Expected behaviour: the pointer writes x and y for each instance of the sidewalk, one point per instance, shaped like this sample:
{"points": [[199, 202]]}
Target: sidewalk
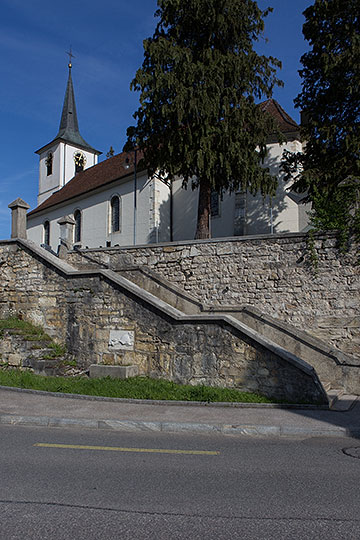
{"points": [[27, 407]]}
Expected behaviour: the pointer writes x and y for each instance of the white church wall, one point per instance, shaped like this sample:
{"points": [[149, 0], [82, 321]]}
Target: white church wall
{"points": [[223, 224], [262, 215], [51, 183], [160, 212], [185, 203], [279, 213], [69, 164], [95, 211]]}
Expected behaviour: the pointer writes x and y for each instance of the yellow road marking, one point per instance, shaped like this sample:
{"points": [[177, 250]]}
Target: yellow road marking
{"points": [[119, 449]]}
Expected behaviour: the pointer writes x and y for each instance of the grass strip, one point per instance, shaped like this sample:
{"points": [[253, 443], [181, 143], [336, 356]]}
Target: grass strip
{"points": [[134, 388]]}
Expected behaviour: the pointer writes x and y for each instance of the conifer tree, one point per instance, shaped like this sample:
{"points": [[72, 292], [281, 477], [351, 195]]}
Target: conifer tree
{"points": [[199, 80], [329, 168]]}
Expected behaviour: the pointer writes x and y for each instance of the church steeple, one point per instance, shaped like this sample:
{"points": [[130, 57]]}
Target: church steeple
{"points": [[68, 153], [69, 126]]}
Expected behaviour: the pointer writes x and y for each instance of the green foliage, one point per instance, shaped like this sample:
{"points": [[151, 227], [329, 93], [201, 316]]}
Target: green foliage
{"points": [[70, 363], [135, 388], [198, 82], [56, 351], [25, 328], [329, 169], [30, 332], [314, 259]]}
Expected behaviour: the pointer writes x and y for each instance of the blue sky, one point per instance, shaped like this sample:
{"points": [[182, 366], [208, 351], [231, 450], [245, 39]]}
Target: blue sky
{"points": [[106, 39]]}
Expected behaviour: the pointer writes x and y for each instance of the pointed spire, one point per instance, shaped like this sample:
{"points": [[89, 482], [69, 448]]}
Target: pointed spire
{"points": [[69, 121], [69, 126]]}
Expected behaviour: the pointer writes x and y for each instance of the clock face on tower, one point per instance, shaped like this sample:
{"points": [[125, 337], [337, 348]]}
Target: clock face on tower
{"points": [[80, 161]]}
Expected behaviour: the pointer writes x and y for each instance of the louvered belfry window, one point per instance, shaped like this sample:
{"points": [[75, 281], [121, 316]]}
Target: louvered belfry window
{"points": [[49, 164]]}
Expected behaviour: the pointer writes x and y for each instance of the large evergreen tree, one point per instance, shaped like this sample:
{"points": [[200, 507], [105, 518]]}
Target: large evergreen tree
{"points": [[198, 82], [329, 168]]}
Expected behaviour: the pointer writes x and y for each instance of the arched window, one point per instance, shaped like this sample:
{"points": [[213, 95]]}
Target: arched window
{"points": [[49, 164], [47, 233], [115, 214], [77, 218]]}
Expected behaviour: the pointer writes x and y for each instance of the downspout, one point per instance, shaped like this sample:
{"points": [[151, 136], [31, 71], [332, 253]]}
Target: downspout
{"points": [[135, 195], [171, 211]]}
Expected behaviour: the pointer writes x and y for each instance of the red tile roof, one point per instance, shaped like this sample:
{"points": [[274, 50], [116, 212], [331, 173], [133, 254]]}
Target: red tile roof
{"points": [[113, 168], [286, 123], [92, 178]]}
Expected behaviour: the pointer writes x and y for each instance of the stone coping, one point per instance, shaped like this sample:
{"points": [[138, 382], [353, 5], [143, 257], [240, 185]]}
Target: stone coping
{"points": [[339, 357], [301, 236]]}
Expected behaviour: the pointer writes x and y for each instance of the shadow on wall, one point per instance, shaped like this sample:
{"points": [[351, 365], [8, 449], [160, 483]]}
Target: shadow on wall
{"points": [[264, 213], [256, 215], [160, 232], [185, 201]]}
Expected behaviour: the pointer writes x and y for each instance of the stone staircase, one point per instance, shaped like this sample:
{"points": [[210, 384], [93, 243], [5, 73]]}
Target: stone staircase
{"points": [[340, 382]]}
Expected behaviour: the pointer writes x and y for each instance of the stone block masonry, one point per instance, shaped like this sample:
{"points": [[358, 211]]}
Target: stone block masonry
{"points": [[103, 318], [273, 274]]}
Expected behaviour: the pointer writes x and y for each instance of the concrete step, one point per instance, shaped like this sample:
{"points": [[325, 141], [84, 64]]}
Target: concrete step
{"points": [[344, 403], [334, 395]]}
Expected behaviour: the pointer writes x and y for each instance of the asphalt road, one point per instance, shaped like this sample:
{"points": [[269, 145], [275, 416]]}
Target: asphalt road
{"points": [[70, 484]]}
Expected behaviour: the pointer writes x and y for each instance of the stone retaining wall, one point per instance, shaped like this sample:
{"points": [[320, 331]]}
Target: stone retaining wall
{"points": [[100, 321], [271, 273]]}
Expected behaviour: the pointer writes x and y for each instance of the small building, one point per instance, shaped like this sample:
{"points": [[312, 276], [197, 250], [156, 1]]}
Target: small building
{"points": [[115, 202]]}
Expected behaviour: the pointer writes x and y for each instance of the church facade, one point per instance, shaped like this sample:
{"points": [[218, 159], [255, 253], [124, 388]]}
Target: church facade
{"points": [[115, 202]]}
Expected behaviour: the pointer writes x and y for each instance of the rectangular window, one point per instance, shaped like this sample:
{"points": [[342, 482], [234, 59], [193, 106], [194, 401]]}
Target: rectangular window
{"points": [[240, 213], [214, 204]]}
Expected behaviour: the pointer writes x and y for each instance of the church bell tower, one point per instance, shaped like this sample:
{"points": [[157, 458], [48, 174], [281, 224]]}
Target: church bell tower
{"points": [[68, 153]]}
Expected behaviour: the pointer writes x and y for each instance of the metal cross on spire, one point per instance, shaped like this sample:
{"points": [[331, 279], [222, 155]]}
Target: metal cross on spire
{"points": [[70, 57]]}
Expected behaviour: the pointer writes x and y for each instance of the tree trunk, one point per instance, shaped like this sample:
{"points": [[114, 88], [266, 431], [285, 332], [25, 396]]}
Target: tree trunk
{"points": [[203, 220]]}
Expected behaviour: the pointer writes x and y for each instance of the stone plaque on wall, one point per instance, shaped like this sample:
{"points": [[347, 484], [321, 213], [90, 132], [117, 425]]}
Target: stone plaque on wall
{"points": [[121, 340]]}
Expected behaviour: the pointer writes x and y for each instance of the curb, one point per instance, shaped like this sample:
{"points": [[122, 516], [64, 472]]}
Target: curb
{"points": [[179, 427]]}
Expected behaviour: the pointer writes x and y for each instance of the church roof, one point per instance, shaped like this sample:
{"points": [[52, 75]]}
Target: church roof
{"points": [[285, 122], [90, 179], [113, 169], [69, 126]]}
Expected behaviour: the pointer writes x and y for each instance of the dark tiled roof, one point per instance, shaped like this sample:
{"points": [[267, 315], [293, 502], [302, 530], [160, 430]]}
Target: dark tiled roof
{"points": [[285, 122], [92, 178], [113, 169]]}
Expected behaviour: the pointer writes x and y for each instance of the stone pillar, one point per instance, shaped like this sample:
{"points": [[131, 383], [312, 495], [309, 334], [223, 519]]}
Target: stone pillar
{"points": [[18, 218], [67, 225]]}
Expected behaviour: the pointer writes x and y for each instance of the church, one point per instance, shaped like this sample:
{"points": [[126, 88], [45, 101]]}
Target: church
{"points": [[115, 203]]}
